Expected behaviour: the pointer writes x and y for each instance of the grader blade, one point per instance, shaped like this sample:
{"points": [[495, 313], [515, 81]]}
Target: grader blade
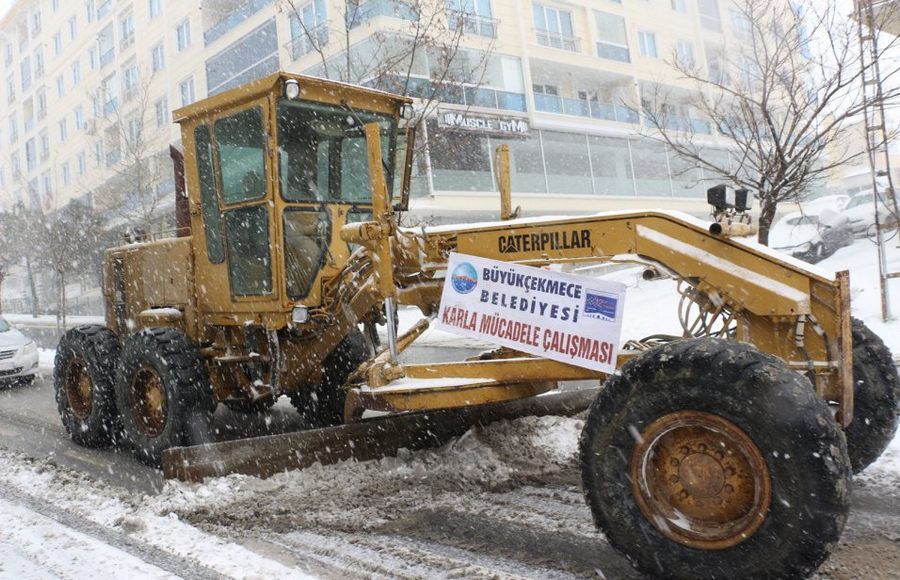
{"points": [[364, 440]]}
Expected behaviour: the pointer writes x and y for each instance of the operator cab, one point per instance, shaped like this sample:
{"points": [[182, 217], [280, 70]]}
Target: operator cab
{"points": [[283, 158]]}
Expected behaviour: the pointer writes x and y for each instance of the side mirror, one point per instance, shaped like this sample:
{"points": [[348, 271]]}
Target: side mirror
{"points": [[403, 158]]}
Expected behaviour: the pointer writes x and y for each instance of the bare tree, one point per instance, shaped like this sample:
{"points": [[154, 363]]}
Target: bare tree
{"points": [[425, 59], [783, 96], [130, 194]]}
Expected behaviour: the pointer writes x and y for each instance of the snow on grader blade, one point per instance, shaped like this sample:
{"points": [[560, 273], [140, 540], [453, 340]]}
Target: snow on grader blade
{"points": [[727, 450]]}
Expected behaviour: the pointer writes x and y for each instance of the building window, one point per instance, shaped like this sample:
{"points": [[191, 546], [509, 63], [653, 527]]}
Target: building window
{"points": [[158, 58], [155, 8], [98, 153], [25, 69], [554, 28], [45, 147], [473, 16], [130, 80], [162, 112], [679, 5], [126, 25], [54, 5], [13, 128], [76, 72], [684, 53], [38, 63], [647, 43], [31, 159], [64, 173], [89, 10], [73, 27], [740, 24], [63, 130], [613, 40], [709, 15], [57, 44], [92, 57], [41, 104], [110, 91], [81, 163], [133, 129], [104, 8], [186, 90], [183, 35], [10, 89], [106, 45], [79, 118], [309, 30], [60, 87]]}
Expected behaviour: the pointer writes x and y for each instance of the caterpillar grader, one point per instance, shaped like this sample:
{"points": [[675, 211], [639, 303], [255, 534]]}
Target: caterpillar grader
{"points": [[725, 452]]}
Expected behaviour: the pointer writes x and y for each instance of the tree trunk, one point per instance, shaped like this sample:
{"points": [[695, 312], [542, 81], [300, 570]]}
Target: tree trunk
{"points": [[35, 306], [1, 294], [62, 299], [766, 216]]}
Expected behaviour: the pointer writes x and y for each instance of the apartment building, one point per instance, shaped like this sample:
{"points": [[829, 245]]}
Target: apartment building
{"points": [[89, 85]]}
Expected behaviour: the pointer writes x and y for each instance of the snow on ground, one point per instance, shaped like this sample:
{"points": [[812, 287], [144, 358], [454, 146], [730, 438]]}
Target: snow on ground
{"points": [[192, 521]]}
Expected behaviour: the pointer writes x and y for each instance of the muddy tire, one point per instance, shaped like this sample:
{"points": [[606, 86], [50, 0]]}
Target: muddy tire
{"points": [[323, 406], [876, 398], [163, 391], [83, 379], [706, 458]]}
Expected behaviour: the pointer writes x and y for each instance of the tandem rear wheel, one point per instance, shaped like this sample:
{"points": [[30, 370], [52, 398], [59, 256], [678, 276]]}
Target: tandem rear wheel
{"points": [[706, 458]]}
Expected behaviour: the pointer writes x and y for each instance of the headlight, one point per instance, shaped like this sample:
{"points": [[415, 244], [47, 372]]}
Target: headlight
{"points": [[29, 348], [300, 314]]}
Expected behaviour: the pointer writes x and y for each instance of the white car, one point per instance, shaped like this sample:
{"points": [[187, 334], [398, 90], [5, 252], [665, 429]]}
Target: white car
{"points": [[811, 237], [18, 355]]}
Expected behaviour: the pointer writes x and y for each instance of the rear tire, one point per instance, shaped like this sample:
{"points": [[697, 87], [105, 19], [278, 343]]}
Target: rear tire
{"points": [[876, 398], [164, 393], [706, 458], [83, 379], [323, 405]]}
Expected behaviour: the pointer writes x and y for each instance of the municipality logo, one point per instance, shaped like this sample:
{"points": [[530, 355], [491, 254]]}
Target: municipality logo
{"points": [[600, 305], [464, 278]]}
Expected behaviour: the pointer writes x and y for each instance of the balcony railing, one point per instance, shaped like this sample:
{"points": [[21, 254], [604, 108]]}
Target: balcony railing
{"points": [[454, 93], [472, 23], [613, 52], [684, 123], [237, 16], [308, 41], [558, 40], [583, 108], [373, 8]]}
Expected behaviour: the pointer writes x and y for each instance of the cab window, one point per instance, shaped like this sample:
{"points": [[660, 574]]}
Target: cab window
{"points": [[212, 224], [240, 145]]}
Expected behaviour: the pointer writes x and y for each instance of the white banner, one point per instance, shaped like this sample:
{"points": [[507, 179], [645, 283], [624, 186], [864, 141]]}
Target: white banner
{"points": [[564, 317]]}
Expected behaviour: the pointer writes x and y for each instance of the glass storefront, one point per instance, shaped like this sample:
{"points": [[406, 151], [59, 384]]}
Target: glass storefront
{"points": [[567, 163]]}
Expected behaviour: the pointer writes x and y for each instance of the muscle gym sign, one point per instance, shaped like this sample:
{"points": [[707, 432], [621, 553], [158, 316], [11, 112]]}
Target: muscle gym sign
{"points": [[571, 319], [457, 120]]}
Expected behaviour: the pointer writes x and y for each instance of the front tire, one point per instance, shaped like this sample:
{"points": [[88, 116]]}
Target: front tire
{"points": [[876, 398], [163, 391], [83, 379], [706, 458]]}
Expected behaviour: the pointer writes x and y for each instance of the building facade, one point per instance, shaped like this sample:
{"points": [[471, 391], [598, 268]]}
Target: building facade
{"points": [[89, 86]]}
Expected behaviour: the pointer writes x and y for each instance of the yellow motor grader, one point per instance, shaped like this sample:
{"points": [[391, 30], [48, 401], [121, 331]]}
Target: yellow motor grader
{"points": [[727, 451]]}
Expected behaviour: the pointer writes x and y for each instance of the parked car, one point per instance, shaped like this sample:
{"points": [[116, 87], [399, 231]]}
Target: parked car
{"points": [[811, 236], [18, 355], [835, 202], [861, 212]]}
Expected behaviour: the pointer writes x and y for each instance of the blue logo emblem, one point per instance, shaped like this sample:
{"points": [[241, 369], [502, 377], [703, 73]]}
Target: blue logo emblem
{"points": [[600, 305], [464, 278]]}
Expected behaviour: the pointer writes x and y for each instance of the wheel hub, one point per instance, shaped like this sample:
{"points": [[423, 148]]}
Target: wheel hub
{"points": [[149, 404], [700, 480], [78, 389]]}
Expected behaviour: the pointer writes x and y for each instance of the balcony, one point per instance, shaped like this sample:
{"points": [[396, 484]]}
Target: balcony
{"points": [[583, 108], [613, 52], [308, 41], [374, 8], [472, 23], [455, 94], [233, 19], [558, 40], [684, 123]]}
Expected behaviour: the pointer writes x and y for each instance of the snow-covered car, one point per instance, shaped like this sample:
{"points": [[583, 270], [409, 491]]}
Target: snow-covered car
{"points": [[810, 236], [18, 355], [835, 202], [861, 212]]}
